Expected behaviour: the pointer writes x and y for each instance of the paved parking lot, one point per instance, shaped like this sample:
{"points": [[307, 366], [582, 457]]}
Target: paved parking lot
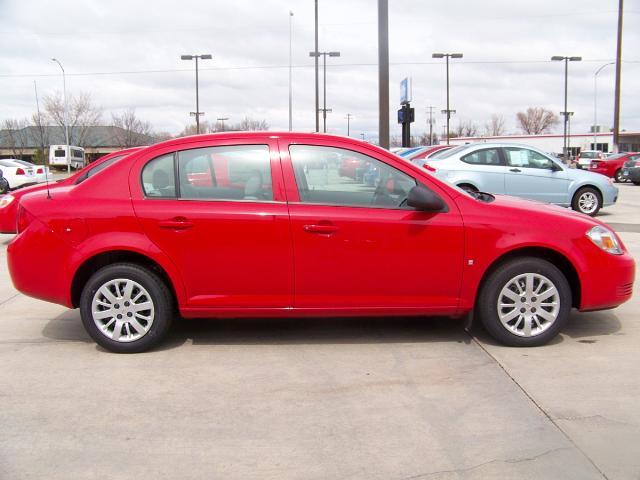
{"points": [[391, 398]]}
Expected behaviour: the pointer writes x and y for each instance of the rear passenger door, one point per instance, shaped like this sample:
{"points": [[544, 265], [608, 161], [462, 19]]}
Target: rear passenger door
{"points": [[219, 212], [483, 168]]}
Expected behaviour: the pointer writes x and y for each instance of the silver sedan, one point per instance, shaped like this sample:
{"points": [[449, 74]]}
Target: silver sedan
{"points": [[522, 171]]}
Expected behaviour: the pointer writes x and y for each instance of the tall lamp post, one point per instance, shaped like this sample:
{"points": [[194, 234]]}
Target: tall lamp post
{"points": [[324, 73], [595, 103], [222, 120], [349, 117], [197, 113], [290, 71], [568, 115], [448, 111], [559, 58], [66, 123]]}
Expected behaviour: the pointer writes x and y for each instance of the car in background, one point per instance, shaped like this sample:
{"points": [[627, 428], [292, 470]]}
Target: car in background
{"points": [[10, 201], [4, 185], [146, 242], [612, 166], [631, 169], [423, 152], [17, 174], [586, 156], [42, 171], [522, 171], [58, 157]]}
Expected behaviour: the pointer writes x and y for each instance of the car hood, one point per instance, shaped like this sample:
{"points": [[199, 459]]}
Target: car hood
{"points": [[577, 174]]}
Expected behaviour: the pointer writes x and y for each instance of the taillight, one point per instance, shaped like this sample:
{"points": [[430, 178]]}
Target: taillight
{"points": [[40, 170], [19, 171], [23, 219], [594, 164], [428, 167]]}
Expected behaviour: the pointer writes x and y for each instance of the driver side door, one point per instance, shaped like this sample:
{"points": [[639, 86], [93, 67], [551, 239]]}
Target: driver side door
{"points": [[357, 247]]}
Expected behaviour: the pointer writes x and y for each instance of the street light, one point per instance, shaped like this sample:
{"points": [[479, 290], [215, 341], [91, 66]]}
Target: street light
{"points": [[348, 117], [197, 113], [448, 111], [595, 102], [66, 123], [222, 120], [558, 58], [324, 67], [290, 71], [568, 115]]}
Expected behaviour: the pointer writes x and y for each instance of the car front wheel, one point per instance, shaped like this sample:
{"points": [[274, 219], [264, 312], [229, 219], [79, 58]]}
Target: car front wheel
{"points": [[587, 200], [618, 177], [525, 303], [126, 308]]}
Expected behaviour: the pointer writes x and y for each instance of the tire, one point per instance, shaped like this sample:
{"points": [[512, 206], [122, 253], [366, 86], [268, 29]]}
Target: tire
{"points": [[618, 176], [122, 286], [468, 188], [493, 303], [587, 200], [636, 182]]}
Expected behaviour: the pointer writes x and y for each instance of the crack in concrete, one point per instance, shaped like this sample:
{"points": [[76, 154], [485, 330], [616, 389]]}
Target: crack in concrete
{"points": [[473, 467], [591, 418]]}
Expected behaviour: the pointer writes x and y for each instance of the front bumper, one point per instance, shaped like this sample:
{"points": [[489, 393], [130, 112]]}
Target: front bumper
{"points": [[608, 282]]}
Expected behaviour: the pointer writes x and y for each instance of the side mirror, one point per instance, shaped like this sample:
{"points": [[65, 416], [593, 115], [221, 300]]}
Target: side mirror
{"points": [[421, 198]]}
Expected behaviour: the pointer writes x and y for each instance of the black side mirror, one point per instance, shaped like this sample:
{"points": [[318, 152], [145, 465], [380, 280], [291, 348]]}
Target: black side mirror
{"points": [[421, 198]]}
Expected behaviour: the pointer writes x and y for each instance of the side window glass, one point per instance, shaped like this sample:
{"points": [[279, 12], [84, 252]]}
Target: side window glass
{"points": [[523, 157], [236, 172], [335, 176], [158, 177], [487, 156]]}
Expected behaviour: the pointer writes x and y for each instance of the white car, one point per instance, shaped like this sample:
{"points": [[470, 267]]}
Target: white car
{"points": [[41, 176], [17, 174]]}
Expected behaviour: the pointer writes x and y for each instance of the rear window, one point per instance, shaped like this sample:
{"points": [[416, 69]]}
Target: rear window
{"points": [[98, 168], [449, 152], [589, 155], [58, 153]]}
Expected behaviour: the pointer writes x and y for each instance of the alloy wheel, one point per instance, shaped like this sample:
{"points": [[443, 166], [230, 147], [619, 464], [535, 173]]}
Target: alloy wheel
{"points": [[588, 202]]}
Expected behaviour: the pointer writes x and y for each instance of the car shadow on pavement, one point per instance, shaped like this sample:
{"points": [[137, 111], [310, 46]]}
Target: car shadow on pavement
{"points": [[274, 331]]}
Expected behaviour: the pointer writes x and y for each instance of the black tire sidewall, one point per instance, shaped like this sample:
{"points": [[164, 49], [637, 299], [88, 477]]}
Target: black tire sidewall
{"points": [[575, 203], [488, 298], [160, 295], [618, 176]]}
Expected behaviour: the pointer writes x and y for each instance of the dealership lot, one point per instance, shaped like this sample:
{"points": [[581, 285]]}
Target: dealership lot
{"points": [[392, 398]]}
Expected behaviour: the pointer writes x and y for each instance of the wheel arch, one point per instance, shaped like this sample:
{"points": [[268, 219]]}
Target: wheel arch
{"points": [[587, 185], [102, 259], [553, 256]]}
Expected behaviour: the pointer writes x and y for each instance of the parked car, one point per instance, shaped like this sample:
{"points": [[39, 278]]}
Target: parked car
{"points": [[9, 202], [423, 152], [4, 185], [140, 243], [586, 156], [631, 169], [17, 174], [40, 175], [612, 166], [523, 171]]}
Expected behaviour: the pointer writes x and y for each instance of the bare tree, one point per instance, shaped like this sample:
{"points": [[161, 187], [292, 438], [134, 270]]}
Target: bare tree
{"points": [[251, 124], [16, 135], [205, 127], [466, 128], [536, 120], [495, 126], [161, 136], [130, 131], [82, 115]]}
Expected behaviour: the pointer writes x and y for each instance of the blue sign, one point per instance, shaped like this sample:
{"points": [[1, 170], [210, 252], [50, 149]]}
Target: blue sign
{"points": [[405, 90]]}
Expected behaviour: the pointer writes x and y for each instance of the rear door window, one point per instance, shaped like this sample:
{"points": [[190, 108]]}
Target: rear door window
{"points": [[486, 156]]}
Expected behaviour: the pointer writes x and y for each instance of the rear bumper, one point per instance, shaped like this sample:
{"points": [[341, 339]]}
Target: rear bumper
{"points": [[33, 273]]}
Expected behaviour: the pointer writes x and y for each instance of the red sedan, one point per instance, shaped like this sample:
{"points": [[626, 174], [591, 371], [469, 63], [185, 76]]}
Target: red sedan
{"points": [[286, 235], [612, 166], [9, 203]]}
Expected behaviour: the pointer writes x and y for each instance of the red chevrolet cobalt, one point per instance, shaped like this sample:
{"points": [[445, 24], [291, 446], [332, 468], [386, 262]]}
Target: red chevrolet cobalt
{"points": [[265, 224]]}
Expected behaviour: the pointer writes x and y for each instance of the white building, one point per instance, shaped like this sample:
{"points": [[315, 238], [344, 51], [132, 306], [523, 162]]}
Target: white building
{"points": [[552, 143]]}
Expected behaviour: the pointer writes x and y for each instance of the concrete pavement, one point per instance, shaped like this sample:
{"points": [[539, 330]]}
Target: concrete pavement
{"points": [[391, 398]]}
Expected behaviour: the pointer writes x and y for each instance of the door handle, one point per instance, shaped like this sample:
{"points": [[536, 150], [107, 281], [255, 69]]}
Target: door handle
{"points": [[177, 223], [326, 229], [515, 170]]}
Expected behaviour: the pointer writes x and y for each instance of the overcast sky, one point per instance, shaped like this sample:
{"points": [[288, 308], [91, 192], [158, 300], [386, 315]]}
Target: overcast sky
{"points": [[127, 54]]}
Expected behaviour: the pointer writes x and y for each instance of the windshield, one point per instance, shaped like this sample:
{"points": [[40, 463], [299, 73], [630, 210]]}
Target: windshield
{"points": [[616, 156]]}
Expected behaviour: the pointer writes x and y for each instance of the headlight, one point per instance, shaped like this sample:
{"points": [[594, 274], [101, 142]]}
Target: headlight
{"points": [[5, 200], [605, 239]]}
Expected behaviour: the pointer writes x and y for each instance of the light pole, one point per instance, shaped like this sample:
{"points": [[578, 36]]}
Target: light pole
{"points": [[197, 113], [324, 55], [315, 49], [595, 103], [290, 71], [66, 123], [568, 115], [348, 117], [559, 58], [448, 111], [362, 135], [221, 120], [430, 124]]}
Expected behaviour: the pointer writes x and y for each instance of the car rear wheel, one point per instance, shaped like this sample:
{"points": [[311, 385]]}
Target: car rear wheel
{"points": [[525, 303], [618, 177], [587, 200], [126, 308]]}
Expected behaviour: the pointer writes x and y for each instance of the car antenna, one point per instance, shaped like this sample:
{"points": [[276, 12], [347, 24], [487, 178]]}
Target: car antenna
{"points": [[44, 157]]}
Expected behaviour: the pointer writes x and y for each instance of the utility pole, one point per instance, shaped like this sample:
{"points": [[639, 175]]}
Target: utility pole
{"points": [[222, 120], [616, 106], [290, 71], [348, 117], [448, 111], [430, 124], [383, 73], [317, 79], [197, 113]]}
